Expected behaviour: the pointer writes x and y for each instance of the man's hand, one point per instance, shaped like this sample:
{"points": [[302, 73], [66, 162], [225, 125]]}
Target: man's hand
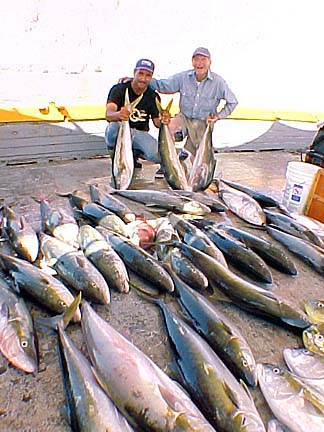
{"points": [[212, 118], [165, 117], [124, 114]]}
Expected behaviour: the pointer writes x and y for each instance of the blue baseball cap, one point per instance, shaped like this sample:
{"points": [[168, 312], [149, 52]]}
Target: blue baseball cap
{"points": [[201, 51], [145, 64]]}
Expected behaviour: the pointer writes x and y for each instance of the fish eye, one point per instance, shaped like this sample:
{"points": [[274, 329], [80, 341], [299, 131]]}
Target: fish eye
{"points": [[276, 370], [62, 304], [24, 343], [245, 363], [320, 305]]}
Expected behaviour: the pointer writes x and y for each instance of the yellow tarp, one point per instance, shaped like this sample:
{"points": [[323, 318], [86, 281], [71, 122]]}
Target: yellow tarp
{"points": [[53, 113]]}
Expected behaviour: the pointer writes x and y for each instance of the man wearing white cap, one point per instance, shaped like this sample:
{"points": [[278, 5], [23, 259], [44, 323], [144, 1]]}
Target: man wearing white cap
{"points": [[201, 91]]}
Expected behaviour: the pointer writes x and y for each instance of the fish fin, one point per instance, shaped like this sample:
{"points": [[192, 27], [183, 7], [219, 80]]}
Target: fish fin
{"points": [[80, 261], [247, 391], [316, 400], [231, 395], [4, 315], [218, 295], [63, 319], [169, 397]]}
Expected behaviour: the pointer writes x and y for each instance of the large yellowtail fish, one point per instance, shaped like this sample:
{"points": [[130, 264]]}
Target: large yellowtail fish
{"points": [[241, 204], [174, 172], [307, 365], [89, 406], [296, 405], [21, 234], [203, 167], [17, 339], [123, 160], [144, 394]]}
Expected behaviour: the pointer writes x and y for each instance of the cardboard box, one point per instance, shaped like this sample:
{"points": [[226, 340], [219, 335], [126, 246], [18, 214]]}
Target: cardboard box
{"points": [[315, 203]]}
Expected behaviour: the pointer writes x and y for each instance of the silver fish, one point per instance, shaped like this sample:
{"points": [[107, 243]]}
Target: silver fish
{"points": [[17, 337], [203, 167], [173, 170], [242, 204], [103, 256], [307, 365], [293, 403], [147, 397], [123, 160], [58, 223], [46, 289], [21, 234], [90, 407], [75, 269]]}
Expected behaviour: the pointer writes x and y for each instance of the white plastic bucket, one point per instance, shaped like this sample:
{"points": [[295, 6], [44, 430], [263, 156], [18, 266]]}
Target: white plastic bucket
{"points": [[299, 180]]}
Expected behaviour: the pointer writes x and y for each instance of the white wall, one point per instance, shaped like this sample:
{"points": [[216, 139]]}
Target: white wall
{"points": [[270, 52]]}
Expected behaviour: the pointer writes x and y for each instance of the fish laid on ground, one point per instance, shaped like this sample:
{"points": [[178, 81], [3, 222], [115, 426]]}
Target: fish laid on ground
{"points": [[292, 402], [308, 252], [75, 269], [307, 365], [315, 310], [138, 260], [123, 159], [173, 170], [17, 337], [112, 203], [98, 214], [21, 234], [263, 199], [44, 288], [58, 223], [205, 198], [103, 256], [291, 226], [268, 251], [245, 294], [241, 204], [313, 338], [163, 199], [144, 394], [195, 237], [221, 334], [90, 408], [237, 253], [184, 268], [204, 163], [310, 223], [214, 389]]}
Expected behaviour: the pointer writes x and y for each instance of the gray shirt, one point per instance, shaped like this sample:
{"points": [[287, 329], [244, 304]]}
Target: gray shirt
{"points": [[198, 100]]}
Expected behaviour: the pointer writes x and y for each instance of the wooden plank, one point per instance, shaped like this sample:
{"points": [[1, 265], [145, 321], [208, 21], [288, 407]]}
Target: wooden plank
{"points": [[315, 204]]}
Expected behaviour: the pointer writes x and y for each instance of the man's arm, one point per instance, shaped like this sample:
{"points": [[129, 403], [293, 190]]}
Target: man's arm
{"points": [[230, 102], [113, 115], [168, 86]]}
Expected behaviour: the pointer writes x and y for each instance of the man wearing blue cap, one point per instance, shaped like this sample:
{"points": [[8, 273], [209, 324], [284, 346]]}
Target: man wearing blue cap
{"points": [[201, 91], [144, 145]]}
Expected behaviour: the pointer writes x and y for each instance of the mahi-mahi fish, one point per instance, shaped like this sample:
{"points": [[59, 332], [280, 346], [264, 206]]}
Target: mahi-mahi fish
{"points": [[123, 160]]}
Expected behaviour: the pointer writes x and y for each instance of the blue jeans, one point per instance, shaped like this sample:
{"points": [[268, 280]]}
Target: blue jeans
{"points": [[143, 142]]}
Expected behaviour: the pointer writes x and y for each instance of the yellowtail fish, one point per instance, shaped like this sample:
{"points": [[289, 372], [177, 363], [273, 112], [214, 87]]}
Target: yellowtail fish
{"points": [[315, 310]]}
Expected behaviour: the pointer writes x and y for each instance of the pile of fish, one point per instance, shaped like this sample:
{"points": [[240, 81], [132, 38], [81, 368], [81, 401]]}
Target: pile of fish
{"points": [[183, 256]]}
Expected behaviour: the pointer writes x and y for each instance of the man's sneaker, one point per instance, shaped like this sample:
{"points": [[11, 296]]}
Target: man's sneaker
{"points": [[137, 164], [178, 136], [159, 173], [183, 155]]}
